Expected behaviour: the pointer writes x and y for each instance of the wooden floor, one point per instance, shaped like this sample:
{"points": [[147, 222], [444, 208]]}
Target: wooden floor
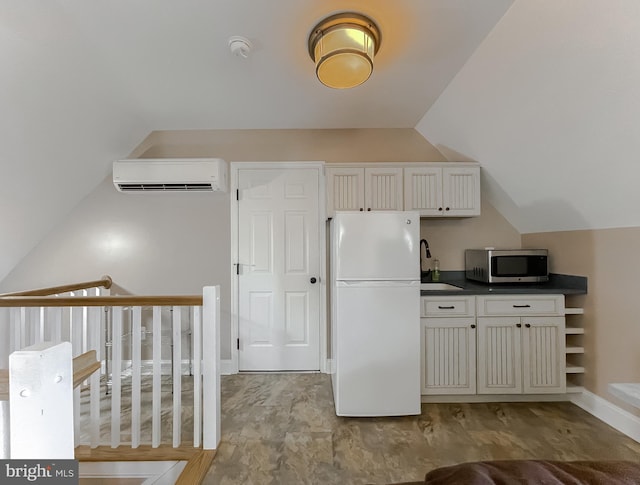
{"points": [[282, 429]]}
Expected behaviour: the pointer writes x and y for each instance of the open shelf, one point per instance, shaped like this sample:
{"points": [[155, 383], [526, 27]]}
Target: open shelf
{"points": [[573, 350], [575, 369], [574, 311]]}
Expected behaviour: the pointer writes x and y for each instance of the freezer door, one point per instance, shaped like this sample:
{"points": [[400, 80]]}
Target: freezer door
{"points": [[376, 246], [377, 349]]}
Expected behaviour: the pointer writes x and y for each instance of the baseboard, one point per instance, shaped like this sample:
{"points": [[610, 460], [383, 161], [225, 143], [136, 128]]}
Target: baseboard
{"points": [[614, 416], [485, 398], [226, 367]]}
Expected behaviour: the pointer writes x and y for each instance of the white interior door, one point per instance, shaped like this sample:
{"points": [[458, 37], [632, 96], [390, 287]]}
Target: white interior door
{"points": [[278, 281]]}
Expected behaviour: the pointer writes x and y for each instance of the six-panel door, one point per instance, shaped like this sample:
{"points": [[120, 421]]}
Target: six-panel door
{"points": [[279, 266]]}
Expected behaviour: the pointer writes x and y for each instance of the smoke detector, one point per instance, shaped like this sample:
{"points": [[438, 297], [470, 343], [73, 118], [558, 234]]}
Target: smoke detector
{"points": [[239, 46]]}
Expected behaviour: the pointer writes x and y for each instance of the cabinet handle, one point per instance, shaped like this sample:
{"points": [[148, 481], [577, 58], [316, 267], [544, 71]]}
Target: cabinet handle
{"points": [[521, 306], [447, 209], [528, 325], [369, 209], [440, 208], [361, 209], [518, 325], [445, 307], [473, 326]]}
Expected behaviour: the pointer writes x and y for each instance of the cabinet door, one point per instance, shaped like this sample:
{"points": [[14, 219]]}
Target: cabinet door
{"points": [[345, 189], [499, 355], [543, 359], [383, 188], [448, 356], [423, 190], [461, 191]]}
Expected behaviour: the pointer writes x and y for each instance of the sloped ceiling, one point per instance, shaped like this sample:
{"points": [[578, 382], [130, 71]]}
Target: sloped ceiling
{"points": [[549, 104], [83, 82]]}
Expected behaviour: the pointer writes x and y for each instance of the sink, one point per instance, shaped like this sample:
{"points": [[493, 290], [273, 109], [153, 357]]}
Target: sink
{"points": [[438, 287]]}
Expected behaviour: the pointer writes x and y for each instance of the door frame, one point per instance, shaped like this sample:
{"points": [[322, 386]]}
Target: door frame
{"points": [[234, 168]]}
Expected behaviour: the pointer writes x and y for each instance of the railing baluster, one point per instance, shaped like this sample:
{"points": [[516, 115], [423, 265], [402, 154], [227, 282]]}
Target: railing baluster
{"points": [[23, 329], [32, 325], [96, 323], [76, 330], [85, 333], [155, 399], [76, 338], [5, 350], [196, 325], [54, 319], [40, 325], [136, 362], [116, 370], [14, 328], [177, 375], [211, 370]]}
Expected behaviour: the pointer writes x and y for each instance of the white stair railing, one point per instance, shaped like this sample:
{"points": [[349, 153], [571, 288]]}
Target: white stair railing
{"points": [[101, 412]]}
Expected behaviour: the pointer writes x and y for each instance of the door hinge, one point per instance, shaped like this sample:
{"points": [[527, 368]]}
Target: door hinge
{"points": [[238, 344], [237, 194]]}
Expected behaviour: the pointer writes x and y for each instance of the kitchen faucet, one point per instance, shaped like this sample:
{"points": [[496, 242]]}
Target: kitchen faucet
{"points": [[427, 253]]}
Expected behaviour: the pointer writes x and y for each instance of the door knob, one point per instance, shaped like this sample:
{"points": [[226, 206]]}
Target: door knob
{"points": [[313, 280]]}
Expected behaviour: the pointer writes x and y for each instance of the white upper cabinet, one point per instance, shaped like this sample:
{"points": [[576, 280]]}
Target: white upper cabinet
{"points": [[345, 189], [364, 188], [383, 188], [443, 191], [433, 189]]}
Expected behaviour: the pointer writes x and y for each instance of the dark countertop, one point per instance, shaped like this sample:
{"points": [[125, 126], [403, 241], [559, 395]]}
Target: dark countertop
{"points": [[558, 284]]}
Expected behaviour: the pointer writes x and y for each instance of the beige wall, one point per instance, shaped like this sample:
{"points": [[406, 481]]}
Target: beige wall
{"points": [[448, 238], [608, 257], [366, 145]]}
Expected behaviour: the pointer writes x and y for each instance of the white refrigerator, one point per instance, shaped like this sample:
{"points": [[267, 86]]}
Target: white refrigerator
{"points": [[375, 310]]}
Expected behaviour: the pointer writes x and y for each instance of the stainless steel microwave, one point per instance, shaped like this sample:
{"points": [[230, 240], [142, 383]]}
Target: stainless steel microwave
{"points": [[507, 265]]}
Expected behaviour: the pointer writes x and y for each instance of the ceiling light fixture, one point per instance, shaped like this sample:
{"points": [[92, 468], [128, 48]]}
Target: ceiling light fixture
{"points": [[342, 47]]}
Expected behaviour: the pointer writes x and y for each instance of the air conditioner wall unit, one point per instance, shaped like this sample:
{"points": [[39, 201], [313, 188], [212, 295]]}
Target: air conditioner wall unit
{"points": [[170, 175]]}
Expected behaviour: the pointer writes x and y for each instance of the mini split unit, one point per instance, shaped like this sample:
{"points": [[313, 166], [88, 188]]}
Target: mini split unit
{"points": [[170, 175]]}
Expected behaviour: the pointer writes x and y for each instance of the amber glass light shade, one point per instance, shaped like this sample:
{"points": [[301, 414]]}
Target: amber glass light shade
{"points": [[343, 48]]}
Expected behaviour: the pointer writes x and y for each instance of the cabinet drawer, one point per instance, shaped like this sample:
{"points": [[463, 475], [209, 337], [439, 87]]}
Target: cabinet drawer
{"points": [[522, 305], [451, 306]]}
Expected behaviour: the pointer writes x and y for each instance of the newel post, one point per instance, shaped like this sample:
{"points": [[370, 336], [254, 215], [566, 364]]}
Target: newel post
{"points": [[41, 402]]}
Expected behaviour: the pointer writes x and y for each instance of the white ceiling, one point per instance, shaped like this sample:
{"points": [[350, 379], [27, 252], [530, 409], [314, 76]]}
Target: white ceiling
{"points": [[172, 62], [83, 82]]}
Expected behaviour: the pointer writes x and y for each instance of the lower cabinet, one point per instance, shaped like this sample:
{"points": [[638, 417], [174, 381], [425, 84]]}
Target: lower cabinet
{"points": [[448, 345], [493, 345], [449, 356], [521, 355]]}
